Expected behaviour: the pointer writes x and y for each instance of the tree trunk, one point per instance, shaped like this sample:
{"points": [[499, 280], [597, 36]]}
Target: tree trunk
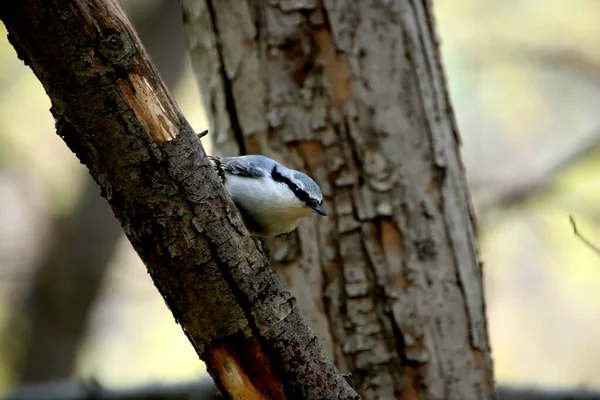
{"points": [[353, 93], [116, 115], [68, 278]]}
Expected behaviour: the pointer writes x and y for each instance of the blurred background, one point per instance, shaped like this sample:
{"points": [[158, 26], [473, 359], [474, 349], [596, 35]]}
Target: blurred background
{"points": [[524, 78]]}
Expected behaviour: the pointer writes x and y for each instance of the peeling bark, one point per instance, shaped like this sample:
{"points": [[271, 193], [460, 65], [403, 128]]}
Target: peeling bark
{"points": [[116, 115], [353, 93]]}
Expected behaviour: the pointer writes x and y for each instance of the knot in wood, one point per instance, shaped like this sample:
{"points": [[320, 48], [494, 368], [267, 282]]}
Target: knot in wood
{"points": [[117, 49]]}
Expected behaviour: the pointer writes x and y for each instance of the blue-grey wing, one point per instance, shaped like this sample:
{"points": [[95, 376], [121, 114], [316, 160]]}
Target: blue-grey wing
{"points": [[248, 166]]}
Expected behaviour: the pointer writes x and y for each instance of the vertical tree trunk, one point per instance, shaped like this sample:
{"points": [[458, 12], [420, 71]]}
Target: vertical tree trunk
{"points": [[353, 92]]}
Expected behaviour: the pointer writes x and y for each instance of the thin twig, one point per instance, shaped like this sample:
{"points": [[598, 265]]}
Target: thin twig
{"points": [[586, 241], [202, 134]]}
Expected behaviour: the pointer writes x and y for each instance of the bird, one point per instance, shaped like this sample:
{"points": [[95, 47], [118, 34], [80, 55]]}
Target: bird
{"points": [[271, 198]]}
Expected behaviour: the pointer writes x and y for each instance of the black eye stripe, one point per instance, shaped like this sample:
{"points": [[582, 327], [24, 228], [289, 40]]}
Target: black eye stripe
{"points": [[300, 194]]}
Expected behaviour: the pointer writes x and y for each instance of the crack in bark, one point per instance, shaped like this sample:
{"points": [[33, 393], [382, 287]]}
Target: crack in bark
{"points": [[228, 87]]}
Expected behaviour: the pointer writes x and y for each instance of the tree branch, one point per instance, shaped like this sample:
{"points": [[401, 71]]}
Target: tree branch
{"points": [[67, 279], [527, 187], [585, 240], [116, 115]]}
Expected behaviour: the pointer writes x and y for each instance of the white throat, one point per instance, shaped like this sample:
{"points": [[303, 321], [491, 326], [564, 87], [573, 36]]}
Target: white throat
{"points": [[271, 205]]}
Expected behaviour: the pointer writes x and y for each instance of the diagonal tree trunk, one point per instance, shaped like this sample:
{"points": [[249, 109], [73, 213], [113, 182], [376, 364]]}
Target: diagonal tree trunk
{"points": [[353, 92], [68, 279], [116, 115]]}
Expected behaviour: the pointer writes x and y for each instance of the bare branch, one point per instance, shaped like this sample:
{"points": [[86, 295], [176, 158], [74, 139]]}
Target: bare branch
{"points": [[525, 187], [567, 59], [570, 60], [585, 241]]}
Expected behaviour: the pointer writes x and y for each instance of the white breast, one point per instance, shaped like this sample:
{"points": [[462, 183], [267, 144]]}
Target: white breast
{"points": [[272, 206]]}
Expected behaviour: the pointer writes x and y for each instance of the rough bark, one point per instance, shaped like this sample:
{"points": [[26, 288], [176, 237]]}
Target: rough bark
{"points": [[116, 115], [68, 278], [353, 93]]}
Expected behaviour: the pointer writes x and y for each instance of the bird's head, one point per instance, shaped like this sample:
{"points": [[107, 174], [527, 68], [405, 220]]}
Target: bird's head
{"points": [[306, 191]]}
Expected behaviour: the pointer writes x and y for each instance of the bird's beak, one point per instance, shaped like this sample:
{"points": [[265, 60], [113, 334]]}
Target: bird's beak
{"points": [[319, 209]]}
